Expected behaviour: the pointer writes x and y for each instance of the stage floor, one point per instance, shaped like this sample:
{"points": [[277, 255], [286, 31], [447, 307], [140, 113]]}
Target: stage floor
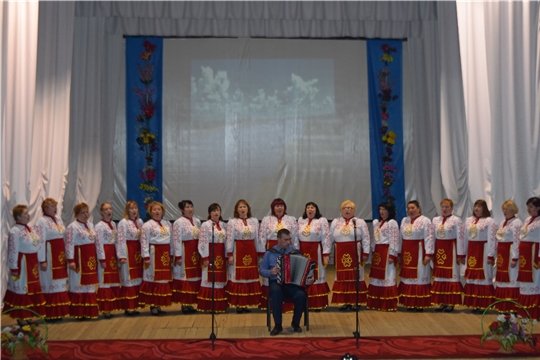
{"points": [[330, 322]]}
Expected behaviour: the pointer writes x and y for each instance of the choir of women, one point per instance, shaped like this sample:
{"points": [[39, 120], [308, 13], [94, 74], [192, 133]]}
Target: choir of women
{"points": [[350, 256], [382, 291], [313, 240], [53, 275], [157, 251], [187, 265], [109, 279], [417, 247], [506, 284], [128, 251], [480, 234], [450, 249], [82, 270], [529, 261], [243, 247], [84, 254], [212, 296], [269, 227]]}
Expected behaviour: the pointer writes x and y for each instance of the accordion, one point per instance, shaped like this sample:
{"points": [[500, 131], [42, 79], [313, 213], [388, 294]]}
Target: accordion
{"points": [[295, 269]]}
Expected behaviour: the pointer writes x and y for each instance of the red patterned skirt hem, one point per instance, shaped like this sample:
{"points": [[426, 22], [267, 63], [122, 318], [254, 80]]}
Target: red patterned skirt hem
{"points": [[244, 294], [155, 294], [383, 298], [108, 299], [318, 296], [56, 305], [415, 296], [185, 292], [129, 297], [83, 305], [504, 293], [529, 302], [478, 296], [447, 293], [34, 302], [344, 292], [204, 300]]}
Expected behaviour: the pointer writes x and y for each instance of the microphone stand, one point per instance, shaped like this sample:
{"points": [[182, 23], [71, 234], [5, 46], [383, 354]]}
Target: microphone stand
{"points": [[211, 268], [356, 333]]}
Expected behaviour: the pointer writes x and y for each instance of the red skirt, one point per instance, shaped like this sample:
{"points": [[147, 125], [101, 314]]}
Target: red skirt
{"points": [[129, 297], [318, 296], [83, 305], [108, 299], [383, 298], [415, 296], [155, 294], [244, 294], [506, 293], [185, 292], [344, 292], [447, 293], [34, 302], [529, 302], [204, 300], [478, 296], [56, 305]]}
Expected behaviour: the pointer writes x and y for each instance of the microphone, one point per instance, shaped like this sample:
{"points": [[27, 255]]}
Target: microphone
{"points": [[354, 222], [213, 224]]}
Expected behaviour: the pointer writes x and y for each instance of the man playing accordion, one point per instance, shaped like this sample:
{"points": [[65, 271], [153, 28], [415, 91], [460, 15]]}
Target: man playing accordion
{"points": [[286, 292]]}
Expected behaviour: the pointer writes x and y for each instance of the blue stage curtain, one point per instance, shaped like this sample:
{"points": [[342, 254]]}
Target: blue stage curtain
{"points": [[144, 88], [386, 124]]}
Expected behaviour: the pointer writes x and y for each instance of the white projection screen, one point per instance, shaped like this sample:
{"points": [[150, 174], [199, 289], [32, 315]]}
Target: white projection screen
{"points": [[257, 119]]}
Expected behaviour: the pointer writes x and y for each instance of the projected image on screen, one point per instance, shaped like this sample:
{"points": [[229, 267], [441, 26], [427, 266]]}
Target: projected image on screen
{"points": [[258, 119], [276, 87]]}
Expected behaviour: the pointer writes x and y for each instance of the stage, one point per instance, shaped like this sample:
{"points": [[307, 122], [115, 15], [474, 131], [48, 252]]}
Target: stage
{"points": [[402, 334]]}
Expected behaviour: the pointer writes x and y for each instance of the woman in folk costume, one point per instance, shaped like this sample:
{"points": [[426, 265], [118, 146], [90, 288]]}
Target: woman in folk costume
{"points": [[157, 251], [128, 250], [187, 270], [417, 246], [109, 278], [243, 288], [52, 257], [506, 284], [24, 289], [529, 261], [212, 242], [270, 225], [382, 291], [314, 242], [83, 254], [342, 233], [481, 238], [450, 249]]}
